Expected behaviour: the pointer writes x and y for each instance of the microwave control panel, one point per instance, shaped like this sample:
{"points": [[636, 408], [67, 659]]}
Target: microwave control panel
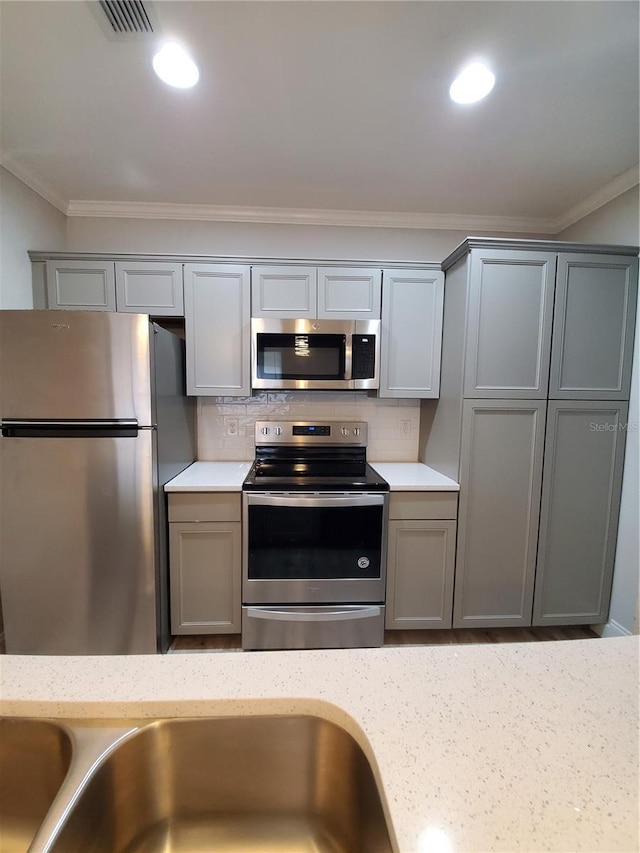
{"points": [[363, 356]]}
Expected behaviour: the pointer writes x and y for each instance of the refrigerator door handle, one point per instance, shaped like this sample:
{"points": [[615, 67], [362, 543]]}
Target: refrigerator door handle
{"points": [[70, 428]]}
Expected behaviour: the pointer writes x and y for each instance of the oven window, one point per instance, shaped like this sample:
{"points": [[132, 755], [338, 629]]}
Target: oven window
{"points": [[295, 543], [300, 356]]}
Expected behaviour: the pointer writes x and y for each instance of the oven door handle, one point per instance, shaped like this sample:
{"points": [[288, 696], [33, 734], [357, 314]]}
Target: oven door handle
{"points": [[337, 614], [311, 501]]}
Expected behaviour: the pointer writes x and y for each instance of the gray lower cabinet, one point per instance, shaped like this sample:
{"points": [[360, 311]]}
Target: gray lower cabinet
{"points": [[217, 329], [500, 487], [420, 560], [205, 563], [584, 454], [411, 344]]}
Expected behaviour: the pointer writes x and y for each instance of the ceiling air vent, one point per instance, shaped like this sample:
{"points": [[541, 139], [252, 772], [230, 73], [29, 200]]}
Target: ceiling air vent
{"points": [[124, 19]]}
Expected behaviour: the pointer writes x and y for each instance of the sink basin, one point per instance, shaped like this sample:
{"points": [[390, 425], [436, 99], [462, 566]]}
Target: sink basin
{"points": [[268, 784], [34, 759]]}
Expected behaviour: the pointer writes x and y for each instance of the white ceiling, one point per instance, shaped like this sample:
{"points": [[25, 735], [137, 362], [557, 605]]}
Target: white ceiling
{"points": [[338, 106]]}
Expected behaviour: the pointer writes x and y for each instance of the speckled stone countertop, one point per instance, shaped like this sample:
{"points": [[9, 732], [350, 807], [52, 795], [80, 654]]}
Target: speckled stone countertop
{"points": [[210, 477], [414, 477], [228, 477], [510, 747]]}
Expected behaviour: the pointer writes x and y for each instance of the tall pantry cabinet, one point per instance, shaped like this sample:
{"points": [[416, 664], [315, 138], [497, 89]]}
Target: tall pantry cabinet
{"points": [[532, 420]]}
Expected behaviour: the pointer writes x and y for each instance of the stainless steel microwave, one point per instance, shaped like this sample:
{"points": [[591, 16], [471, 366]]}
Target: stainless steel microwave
{"points": [[307, 354]]}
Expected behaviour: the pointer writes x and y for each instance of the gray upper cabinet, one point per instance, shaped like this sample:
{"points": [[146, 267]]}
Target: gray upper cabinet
{"points": [[593, 327], [330, 293], [146, 287], [349, 293], [149, 287], [509, 324], [217, 329], [584, 454], [284, 292], [412, 307], [82, 285], [500, 486]]}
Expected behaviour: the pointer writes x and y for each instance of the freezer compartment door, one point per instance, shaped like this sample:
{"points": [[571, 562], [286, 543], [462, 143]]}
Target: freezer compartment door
{"points": [[77, 562], [84, 365]]}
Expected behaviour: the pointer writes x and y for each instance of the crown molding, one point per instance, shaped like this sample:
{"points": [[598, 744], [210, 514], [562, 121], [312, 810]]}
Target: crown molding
{"points": [[42, 188], [626, 181], [340, 218], [307, 216]]}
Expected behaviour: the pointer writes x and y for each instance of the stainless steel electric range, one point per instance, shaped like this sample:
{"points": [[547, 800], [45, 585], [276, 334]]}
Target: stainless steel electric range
{"points": [[314, 539]]}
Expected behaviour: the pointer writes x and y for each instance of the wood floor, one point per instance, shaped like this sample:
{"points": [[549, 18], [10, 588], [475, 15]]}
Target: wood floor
{"points": [[231, 642]]}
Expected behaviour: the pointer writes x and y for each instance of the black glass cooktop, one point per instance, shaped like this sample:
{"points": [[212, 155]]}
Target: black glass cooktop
{"points": [[317, 469]]}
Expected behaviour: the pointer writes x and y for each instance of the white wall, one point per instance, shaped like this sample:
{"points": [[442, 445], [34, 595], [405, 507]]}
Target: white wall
{"points": [[617, 222], [27, 221], [260, 240]]}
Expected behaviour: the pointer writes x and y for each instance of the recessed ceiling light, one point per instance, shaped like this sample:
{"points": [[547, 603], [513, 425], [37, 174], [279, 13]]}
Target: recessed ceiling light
{"points": [[472, 84], [174, 66]]}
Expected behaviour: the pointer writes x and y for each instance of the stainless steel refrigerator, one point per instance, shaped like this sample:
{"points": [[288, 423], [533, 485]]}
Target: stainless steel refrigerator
{"points": [[94, 423]]}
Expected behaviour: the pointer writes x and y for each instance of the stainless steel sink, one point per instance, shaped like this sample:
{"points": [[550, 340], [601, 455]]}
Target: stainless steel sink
{"points": [[269, 784], [34, 759]]}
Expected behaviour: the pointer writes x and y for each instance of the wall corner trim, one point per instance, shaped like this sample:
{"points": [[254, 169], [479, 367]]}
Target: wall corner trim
{"points": [[612, 629]]}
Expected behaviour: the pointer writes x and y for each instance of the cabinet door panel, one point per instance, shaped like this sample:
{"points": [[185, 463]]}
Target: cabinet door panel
{"points": [[593, 327], [349, 293], [82, 285], [584, 456], [500, 481], [420, 567], [152, 288], [284, 292], [412, 306], [509, 328], [217, 329], [205, 577]]}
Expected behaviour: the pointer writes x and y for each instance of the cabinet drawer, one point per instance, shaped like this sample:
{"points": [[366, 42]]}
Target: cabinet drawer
{"points": [[435, 505], [204, 506]]}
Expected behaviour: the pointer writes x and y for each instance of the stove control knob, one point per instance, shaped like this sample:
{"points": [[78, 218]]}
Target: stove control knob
{"points": [[265, 430], [356, 431], [278, 430], [344, 431]]}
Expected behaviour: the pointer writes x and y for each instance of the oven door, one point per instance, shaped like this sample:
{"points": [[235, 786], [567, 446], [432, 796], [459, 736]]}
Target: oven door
{"points": [[314, 548]]}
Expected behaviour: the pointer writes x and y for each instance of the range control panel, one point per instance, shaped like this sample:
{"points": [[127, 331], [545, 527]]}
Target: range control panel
{"points": [[352, 433]]}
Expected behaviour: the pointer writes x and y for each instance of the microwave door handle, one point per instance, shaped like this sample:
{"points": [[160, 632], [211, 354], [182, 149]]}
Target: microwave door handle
{"points": [[348, 357], [314, 501]]}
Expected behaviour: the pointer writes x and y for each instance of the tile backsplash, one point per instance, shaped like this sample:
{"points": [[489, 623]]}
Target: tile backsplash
{"points": [[226, 424]]}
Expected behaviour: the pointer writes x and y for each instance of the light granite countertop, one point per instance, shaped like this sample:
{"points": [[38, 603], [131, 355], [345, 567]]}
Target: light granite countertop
{"points": [[414, 477], [510, 747], [228, 477], [210, 477]]}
